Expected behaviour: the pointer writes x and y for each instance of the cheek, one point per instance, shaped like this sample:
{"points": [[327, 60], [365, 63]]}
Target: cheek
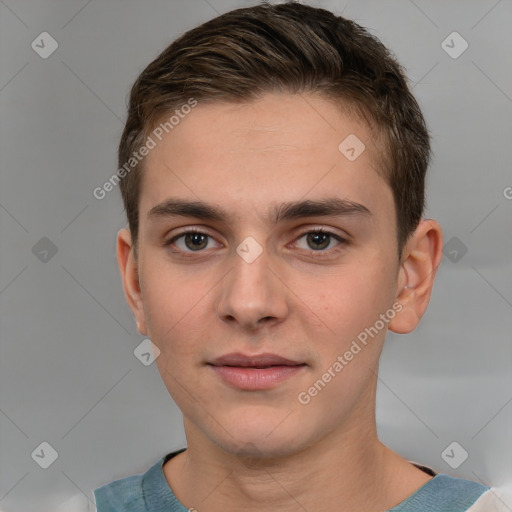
{"points": [[173, 303], [174, 310], [344, 303]]}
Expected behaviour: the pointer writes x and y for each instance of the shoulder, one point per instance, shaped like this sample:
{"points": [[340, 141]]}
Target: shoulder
{"points": [[122, 495], [443, 494], [144, 492], [452, 486]]}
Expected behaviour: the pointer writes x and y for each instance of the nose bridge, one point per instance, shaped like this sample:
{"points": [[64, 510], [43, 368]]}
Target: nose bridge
{"points": [[251, 292]]}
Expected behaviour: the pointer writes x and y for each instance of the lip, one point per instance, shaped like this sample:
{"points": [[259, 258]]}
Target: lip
{"points": [[242, 360], [255, 372]]}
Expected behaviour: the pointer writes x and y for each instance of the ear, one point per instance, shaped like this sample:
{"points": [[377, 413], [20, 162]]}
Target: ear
{"points": [[421, 257], [130, 277]]}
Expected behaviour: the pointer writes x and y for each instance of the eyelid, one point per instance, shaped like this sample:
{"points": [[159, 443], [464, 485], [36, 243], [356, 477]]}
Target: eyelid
{"points": [[324, 229]]}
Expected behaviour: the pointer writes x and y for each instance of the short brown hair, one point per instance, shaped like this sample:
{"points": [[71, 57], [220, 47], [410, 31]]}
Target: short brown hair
{"points": [[291, 48]]}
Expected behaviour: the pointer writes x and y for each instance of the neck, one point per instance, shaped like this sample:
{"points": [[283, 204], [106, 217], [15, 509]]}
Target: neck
{"points": [[349, 469]]}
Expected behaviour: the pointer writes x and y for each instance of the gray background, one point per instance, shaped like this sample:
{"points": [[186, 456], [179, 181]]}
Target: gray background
{"points": [[68, 375]]}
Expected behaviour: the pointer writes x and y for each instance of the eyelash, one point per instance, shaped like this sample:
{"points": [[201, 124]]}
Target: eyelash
{"points": [[313, 253]]}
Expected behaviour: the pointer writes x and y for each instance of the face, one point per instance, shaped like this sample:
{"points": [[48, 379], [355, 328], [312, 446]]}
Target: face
{"points": [[264, 254]]}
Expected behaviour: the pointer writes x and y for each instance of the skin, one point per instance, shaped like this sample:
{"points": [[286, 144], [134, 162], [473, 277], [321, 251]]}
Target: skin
{"points": [[264, 450]]}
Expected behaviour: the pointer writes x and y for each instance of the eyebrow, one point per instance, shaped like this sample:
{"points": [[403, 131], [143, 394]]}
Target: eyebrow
{"points": [[285, 211]]}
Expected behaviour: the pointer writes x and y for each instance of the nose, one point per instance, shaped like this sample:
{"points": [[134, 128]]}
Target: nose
{"points": [[252, 294]]}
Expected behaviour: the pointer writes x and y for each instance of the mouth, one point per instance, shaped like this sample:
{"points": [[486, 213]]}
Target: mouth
{"points": [[255, 372]]}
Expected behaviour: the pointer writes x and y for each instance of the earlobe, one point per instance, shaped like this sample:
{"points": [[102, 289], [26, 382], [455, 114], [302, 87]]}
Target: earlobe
{"points": [[420, 259], [130, 278]]}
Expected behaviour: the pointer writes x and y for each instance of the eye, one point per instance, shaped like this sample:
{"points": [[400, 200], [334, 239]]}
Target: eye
{"points": [[320, 240], [191, 241]]}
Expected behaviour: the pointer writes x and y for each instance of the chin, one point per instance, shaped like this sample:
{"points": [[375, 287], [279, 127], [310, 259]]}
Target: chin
{"points": [[258, 433]]}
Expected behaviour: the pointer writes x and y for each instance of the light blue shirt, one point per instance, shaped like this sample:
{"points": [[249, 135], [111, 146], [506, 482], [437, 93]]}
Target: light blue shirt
{"points": [[150, 492]]}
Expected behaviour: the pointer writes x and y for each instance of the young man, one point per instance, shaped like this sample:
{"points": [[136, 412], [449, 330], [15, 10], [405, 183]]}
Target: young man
{"points": [[272, 169]]}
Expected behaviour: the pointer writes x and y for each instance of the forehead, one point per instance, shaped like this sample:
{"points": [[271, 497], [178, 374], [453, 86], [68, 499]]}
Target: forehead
{"points": [[279, 148]]}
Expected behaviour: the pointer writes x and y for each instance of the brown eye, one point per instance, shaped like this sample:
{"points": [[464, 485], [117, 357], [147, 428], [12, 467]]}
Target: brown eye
{"points": [[196, 241], [318, 241], [191, 241]]}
